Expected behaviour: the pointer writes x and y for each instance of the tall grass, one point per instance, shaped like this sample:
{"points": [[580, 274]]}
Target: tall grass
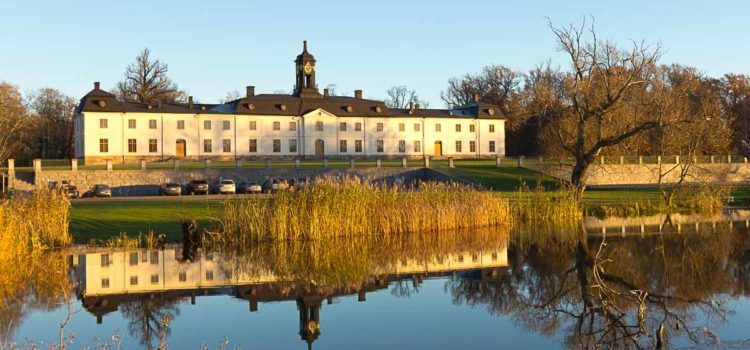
{"points": [[534, 206], [35, 221], [353, 207]]}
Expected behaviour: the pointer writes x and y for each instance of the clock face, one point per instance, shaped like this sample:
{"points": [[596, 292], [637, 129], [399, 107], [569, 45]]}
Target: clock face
{"points": [[308, 68]]}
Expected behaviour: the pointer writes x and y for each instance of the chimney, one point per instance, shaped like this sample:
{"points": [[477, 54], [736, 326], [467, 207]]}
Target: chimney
{"points": [[249, 91], [96, 85], [416, 106], [476, 97], [326, 93], [411, 105], [358, 94], [190, 102]]}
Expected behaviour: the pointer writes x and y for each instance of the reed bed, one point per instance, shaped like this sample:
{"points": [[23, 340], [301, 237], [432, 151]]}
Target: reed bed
{"points": [[33, 222], [539, 206], [353, 207]]}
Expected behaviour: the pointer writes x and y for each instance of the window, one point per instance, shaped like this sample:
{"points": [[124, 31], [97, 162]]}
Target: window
{"points": [[183, 276], [458, 127], [133, 258], [132, 146], [438, 127], [380, 146], [417, 127], [358, 146], [152, 146], [209, 275], [458, 146], [342, 146], [292, 126], [103, 123], [105, 260], [318, 126], [472, 146], [293, 146], [253, 146], [253, 125], [276, 125], [492, 127], [180, 125], [342, 126], [105, 282], [401, 146], [131, 123], [152, 124], [417, 146], [154, 279], [380, 127], [226, 145], [358, 127], [206, 125], [471, 128], [226, 125], [133, 280], [154, 258], [207, 146], [103, 145], [401, 127], [276, 145], [492, 146]]}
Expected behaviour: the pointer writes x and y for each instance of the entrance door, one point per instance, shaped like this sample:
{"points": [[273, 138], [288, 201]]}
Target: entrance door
{"points": [[438, 148], [180, 149], [319, 148]]}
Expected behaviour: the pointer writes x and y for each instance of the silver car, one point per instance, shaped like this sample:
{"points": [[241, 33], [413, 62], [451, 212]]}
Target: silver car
{"points": [[170, 189], [101, 190], [226, 187]]}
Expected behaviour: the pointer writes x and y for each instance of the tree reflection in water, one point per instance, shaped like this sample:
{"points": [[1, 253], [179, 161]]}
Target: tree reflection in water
{"points": [[627, 292], [149, 319]]}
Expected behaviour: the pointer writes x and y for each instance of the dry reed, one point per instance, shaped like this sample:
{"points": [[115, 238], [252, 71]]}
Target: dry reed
{"points": [[353, 207]]}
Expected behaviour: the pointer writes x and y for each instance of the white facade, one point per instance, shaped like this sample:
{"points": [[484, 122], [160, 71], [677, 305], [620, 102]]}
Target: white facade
{"points": [[130, 135]]}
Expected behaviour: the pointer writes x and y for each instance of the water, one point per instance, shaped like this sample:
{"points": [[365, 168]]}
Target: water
{"points": [[480, 290]]}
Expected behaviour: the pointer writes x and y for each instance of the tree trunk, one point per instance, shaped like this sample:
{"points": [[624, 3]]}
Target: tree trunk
{"points": [[578, 177]]}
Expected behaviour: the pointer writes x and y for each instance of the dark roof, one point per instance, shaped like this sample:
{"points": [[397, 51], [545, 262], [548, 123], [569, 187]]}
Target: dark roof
{"points": [[275, 104]]}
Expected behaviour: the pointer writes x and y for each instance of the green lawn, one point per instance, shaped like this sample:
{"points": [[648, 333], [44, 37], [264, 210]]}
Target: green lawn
{"points": [[106, 219]]}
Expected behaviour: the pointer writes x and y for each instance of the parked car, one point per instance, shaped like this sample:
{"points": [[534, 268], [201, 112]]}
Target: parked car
{"points": [[70, 191], [170, 189], [249, 187], [101, 190], [225, 187], [197, 187]]}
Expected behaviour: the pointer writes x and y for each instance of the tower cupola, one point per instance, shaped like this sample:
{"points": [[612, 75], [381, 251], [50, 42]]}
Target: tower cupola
{"points": [[305, 70]]}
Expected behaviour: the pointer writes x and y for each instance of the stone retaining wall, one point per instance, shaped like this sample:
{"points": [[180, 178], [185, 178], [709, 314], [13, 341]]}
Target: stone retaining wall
{"points": [[648, 174], [147, 182]]}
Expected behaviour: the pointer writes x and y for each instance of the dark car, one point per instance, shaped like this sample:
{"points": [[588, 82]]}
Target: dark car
{"points": [[170, 189], [197, 187], [71, 192], [249, 187], [101, 190]]}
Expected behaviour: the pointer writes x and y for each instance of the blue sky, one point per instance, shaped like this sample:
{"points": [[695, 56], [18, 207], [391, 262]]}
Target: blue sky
{"points": [[213, 47]]}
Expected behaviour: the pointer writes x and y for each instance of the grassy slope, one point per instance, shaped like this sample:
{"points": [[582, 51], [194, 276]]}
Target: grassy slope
{"points": [[106, 219]]}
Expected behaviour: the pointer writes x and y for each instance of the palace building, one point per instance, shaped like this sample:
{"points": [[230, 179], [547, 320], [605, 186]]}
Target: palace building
{"points": [[305, 124]]}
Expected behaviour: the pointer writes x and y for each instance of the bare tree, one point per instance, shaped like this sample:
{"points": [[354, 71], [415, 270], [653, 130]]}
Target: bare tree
{"points": [[401, 96], [231, 96], [52, 116], [13, 120], [146, 81], [735, 93], [593, 94]]}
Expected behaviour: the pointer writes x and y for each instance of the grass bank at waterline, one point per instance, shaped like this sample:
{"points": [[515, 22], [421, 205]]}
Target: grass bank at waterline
{"points": [[353, 207]]}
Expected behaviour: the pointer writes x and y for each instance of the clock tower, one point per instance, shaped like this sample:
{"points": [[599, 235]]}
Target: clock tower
{"points": [[305, 69]]}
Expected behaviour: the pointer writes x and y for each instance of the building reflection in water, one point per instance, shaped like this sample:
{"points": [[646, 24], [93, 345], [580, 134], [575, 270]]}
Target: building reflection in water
{"points": [[111, 280]]}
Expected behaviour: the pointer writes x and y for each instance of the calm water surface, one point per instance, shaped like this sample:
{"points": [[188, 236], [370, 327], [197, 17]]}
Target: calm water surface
{"points": [[481, 290]]}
